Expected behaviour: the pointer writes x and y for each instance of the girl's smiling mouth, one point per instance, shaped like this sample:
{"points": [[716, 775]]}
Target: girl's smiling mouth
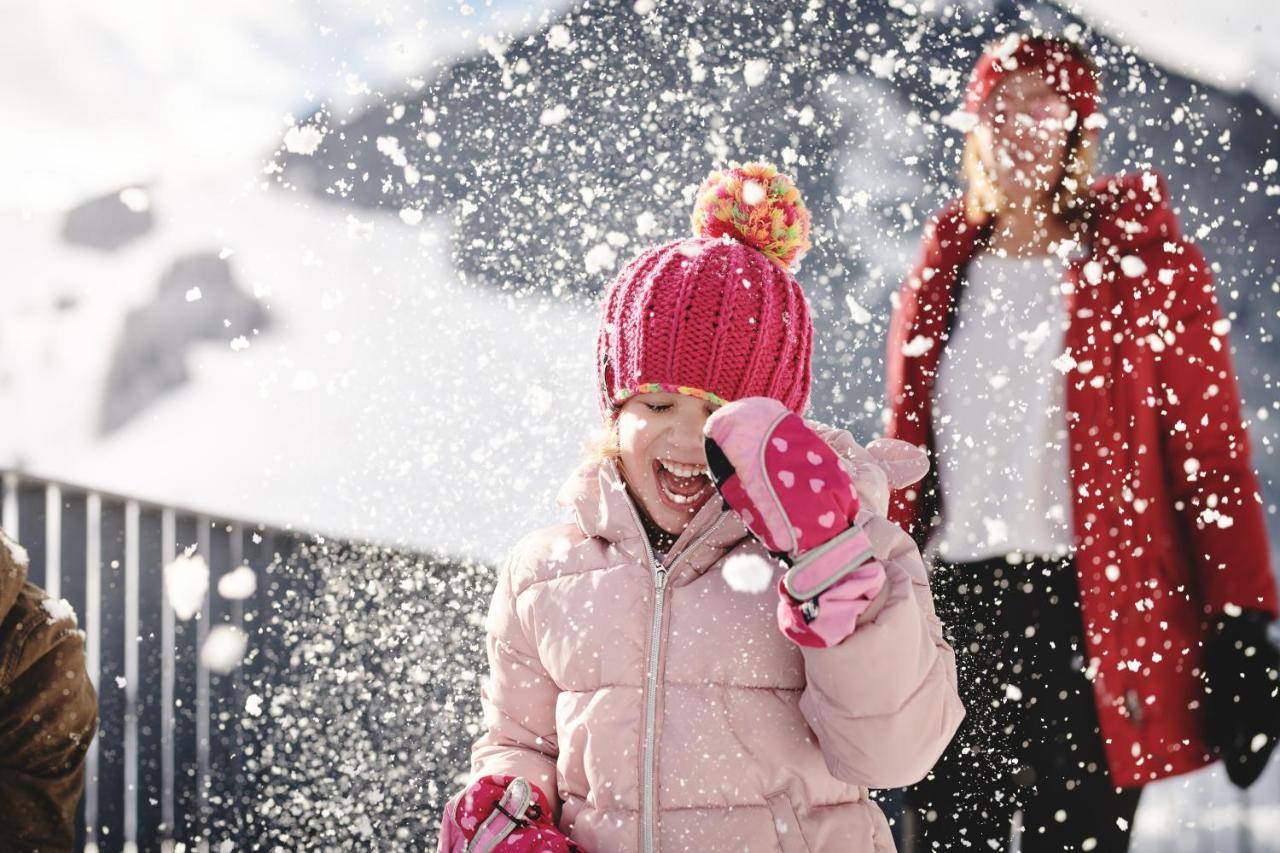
{"points": [[682, 486]]}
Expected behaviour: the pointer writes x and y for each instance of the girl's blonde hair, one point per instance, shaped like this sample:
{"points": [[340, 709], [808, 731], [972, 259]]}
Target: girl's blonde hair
{"points": [[1071, 196], [603, 443]]}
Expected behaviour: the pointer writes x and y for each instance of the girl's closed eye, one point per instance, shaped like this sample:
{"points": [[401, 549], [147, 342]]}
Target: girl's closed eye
{"points": [[658, 407]]}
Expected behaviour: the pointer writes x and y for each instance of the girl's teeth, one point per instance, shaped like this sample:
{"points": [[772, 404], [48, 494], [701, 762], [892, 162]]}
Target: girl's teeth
{"points": [[684, 470], [681, 499]]}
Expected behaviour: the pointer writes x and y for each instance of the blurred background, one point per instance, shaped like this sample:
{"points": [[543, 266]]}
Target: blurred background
{"points": [[308, 290]]}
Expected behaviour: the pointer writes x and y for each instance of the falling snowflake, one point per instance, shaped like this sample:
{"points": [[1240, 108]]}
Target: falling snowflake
{"points": [[749, 573]]}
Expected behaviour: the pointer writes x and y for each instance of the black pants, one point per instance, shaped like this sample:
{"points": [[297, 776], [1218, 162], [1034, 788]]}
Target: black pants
{"points": [[1029, 742]]}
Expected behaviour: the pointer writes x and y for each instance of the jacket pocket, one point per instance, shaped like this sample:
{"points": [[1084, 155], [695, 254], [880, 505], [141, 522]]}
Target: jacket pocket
{"points": [[785, 824]]}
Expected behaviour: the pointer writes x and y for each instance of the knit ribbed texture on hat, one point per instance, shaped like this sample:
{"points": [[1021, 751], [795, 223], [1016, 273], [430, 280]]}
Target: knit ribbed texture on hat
{"points": [[710, 317]]}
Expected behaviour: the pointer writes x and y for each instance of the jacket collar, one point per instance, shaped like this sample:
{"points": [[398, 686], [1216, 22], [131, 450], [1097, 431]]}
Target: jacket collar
{"points": [[1131, 211], [603, 508], [1128, 212]]}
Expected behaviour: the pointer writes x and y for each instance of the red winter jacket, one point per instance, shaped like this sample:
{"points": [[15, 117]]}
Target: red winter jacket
{"points": [[1167, 511]]}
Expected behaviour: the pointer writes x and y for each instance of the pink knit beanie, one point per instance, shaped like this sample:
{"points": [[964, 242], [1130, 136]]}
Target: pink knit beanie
{"points": [[717, 315]]}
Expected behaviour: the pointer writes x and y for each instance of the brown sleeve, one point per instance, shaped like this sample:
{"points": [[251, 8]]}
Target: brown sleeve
{"points": [[48, 715]]}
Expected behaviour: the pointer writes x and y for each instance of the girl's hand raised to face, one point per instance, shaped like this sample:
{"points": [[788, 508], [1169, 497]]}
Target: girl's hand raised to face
{"points": [[795, 496]]}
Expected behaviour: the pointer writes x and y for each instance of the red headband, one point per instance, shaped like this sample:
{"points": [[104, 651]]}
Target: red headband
{"points": [[1062, 70]]}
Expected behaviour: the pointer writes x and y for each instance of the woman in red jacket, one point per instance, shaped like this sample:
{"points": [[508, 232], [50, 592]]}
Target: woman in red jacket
{"points": [[1097, 530]]}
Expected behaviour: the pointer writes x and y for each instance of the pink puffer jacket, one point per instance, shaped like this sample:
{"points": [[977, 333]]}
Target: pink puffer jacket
{"points": [[666, 712]]}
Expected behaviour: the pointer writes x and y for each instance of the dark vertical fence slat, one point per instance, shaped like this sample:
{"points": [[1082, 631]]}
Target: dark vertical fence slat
{"points": [[228, 702], [111, 694], [260, 549], [74, 535], [219, 688], [204, 540], [93, 657], [72, 567], [168, 551], [132, 671], [150, 744], [9, 504], [187, 820], [53, 540], [31, 529]]}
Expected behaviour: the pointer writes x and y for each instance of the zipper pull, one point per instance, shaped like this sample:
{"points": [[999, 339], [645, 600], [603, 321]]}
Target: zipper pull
{"points": [[660, 577]]}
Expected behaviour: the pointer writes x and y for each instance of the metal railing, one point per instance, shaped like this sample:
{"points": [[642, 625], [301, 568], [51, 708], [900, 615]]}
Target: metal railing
{"points": [[168, 754]]}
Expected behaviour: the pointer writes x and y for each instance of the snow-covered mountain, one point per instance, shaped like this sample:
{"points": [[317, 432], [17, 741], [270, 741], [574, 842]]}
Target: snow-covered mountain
{"points": [[178, 331], [385, 400]]}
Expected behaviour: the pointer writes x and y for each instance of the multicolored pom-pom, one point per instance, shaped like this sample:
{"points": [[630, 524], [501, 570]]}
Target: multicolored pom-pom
{"points": [[754, 204]]}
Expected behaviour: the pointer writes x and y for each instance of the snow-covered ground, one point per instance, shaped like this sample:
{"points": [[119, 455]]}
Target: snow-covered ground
{"points": [[1203, 812], [385, 402]]}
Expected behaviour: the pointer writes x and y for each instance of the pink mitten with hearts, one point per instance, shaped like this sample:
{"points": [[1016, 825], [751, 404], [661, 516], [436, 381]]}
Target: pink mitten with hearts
{"points": [[795, 496]]}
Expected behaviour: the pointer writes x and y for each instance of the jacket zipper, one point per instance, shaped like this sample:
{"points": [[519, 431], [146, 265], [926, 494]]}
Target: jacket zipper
{"points": [[648, 804], [650, 684], [651, 710]]}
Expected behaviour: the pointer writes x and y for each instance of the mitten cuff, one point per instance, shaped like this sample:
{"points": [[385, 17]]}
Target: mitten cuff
{"points": [[507, 815], [825, 566], [826, 621]]}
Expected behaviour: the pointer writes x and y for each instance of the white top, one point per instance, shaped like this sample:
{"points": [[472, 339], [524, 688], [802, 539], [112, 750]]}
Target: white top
{"points": [[1000, 427]]}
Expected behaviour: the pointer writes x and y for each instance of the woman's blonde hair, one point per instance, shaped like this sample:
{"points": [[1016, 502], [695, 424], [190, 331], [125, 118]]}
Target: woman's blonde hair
{"points": [[1071, 196]]}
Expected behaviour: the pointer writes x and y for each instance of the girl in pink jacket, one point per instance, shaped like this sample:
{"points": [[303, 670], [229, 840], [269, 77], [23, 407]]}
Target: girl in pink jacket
{"points": [[652, 687]]}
